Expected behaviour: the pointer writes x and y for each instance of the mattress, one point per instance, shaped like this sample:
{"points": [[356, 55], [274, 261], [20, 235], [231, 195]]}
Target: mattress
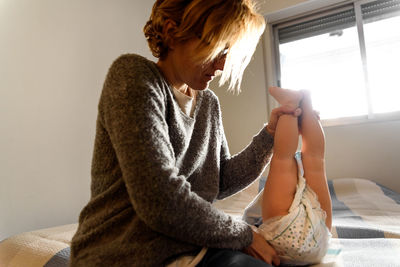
{"points": [[365, 232]]}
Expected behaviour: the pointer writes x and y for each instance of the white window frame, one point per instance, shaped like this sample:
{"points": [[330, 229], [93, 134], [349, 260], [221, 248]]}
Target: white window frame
{"points": [[273, 77]]}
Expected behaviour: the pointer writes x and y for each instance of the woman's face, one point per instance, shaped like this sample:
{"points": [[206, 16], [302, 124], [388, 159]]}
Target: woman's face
{"points": [[187, 71]]}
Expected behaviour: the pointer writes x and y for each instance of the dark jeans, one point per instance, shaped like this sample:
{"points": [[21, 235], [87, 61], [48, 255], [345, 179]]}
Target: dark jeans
{"points": [[229, 258]]}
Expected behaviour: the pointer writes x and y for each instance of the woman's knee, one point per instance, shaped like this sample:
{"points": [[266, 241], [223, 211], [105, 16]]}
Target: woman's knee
{"points": [[242, 260], [230, 258]]}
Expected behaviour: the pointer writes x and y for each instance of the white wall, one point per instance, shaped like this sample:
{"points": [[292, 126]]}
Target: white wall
{"points": [[365, 150], [54, 56], [246, 113]]}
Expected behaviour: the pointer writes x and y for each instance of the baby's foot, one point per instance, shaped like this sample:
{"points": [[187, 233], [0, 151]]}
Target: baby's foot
{"points": [[286, 97], [306, 103], [306, 97], [308, 113]]}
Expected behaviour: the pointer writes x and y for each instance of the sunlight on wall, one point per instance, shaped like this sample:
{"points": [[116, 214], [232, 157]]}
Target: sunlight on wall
{"points": [[383, 54], [330, 66]]}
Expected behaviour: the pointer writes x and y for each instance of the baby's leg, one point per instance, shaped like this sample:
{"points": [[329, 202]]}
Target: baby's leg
{"points": [[313, 155], [280, 187]]}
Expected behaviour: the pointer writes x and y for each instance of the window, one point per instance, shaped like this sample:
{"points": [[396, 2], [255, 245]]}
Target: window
{"points": [[348, 57]]}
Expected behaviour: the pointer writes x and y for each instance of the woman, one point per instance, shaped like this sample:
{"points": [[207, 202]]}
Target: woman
{"points": [[161, 158]]}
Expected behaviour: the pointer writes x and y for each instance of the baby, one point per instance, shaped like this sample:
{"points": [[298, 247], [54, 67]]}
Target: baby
{"points": [[295, 203]]}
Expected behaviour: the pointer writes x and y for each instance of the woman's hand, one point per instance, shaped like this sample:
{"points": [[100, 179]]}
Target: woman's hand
{"points": [[260, 249], [275, 113]]}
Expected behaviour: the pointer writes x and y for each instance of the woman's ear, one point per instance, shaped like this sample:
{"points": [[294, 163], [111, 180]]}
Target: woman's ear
{"points": [[169, 31]]}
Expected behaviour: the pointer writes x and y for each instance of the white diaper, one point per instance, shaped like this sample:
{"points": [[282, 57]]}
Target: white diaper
{"points": [[300, 237]]}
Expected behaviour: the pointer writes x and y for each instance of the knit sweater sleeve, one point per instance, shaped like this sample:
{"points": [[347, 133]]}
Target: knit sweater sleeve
{"points": [[133, 111], [239, 170]]}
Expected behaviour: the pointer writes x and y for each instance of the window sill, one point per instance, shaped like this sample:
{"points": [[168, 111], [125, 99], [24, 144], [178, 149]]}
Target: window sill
{"points": [[375, 118]]}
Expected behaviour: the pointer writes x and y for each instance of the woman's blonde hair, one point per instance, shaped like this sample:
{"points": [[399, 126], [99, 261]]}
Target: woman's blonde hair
{"points": [[220, 24]]}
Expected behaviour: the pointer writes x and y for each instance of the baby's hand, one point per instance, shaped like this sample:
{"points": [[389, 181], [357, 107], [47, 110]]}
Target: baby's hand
{"points": [[276, 113]]}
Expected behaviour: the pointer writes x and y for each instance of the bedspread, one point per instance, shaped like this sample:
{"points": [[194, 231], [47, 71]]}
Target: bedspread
{"points": [[366, 224], [366, 230]]}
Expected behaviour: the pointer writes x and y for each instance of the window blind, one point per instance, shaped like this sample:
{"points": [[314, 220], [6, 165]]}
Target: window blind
{"points": [[330, 21], [380, 9]]}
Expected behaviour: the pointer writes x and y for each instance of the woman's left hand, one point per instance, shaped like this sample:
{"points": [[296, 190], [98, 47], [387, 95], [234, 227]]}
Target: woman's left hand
{"points": [[262, 250], [276, 113]]}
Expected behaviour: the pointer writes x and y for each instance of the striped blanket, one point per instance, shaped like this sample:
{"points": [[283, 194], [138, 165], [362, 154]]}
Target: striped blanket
{"points": [[366, 224], [46, 247], [366, 231]]}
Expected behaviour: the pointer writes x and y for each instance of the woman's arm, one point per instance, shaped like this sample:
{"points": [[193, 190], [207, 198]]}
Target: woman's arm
{"points": [[133, 112], [240, 170]]}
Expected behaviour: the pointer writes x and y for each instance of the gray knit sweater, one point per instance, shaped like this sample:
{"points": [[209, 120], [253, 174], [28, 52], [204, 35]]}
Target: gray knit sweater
{"points": [[156, 171]]}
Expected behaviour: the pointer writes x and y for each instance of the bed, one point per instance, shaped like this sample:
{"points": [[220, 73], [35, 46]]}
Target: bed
{"points": [[366, 229]]}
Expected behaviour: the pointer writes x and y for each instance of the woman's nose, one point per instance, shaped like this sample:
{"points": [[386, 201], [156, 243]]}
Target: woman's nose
{"points": [[219, 63]]}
